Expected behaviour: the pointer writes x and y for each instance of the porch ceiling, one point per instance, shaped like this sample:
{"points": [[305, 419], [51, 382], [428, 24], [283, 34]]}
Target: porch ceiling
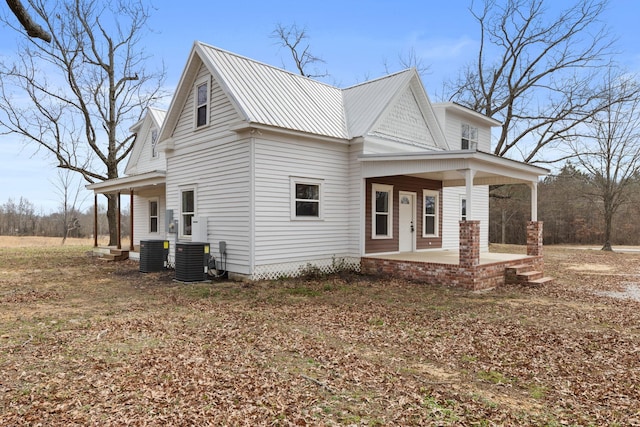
{"points": [[450, 166], [141, 182]]}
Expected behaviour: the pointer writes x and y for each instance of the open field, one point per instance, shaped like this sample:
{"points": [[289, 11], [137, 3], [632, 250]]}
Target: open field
{"points": [[38, 241], [83, 342]]}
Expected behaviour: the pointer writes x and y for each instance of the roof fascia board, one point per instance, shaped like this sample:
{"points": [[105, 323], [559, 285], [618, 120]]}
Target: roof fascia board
{"points": [[478, 156], [241, 127], [179, 98], [468, 112], [127, 182]]}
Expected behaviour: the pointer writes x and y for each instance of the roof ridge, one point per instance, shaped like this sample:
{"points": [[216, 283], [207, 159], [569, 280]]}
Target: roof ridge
{"points": [[264, 64], [386, 76]]}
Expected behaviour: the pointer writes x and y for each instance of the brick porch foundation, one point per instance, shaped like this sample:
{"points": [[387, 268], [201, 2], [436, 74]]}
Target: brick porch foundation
{"points": [[469, 273]]}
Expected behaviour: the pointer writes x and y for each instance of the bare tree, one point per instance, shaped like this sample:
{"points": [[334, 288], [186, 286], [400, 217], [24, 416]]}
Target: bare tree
{"points": [[30, 26], [69, 191], [409, 59], [609, 149], [77, 96], [534, 72], [294, 39]]}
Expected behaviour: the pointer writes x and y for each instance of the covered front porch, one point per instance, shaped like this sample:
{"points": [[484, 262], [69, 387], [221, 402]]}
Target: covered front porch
{"points": [[467, 262]]}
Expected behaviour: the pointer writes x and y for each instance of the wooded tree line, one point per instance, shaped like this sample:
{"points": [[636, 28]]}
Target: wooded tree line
{"points": [[21, 218], [569, 206]]}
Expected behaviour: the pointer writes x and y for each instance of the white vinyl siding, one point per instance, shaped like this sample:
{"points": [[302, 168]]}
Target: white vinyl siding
{"points": [[142, 159], [404, 122], [451, 197], [278, 239], [451, 124], [219, 163], [141, 215]]}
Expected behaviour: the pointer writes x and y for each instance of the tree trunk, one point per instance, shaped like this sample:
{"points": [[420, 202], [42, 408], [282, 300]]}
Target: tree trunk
{"points": [[608, 217], [503, 239], [112, 218]]}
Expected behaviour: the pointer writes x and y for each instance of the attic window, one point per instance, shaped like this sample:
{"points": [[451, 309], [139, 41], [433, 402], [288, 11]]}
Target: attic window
{"points": [[154, 143], [469, 137], [202, 101]]}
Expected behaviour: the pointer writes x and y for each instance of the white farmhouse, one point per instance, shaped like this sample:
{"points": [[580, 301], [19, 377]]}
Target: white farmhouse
{"points": [[290, 172]]}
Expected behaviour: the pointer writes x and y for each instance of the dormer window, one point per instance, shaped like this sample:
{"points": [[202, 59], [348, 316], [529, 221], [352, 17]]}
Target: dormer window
{"points": [[469, 137], [154, 143], [202, 102]]}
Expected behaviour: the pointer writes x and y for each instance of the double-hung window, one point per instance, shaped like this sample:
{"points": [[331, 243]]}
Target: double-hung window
{"points": [[382, 211], [187, 210], [154, 143], [463, 208], [153, 216], [469, 138], [430, 220], [202, 103], [306, 200]]}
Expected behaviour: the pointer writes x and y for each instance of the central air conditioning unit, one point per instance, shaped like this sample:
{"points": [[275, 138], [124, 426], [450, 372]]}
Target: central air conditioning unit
{"points": [[192, 261], [153, 255]]}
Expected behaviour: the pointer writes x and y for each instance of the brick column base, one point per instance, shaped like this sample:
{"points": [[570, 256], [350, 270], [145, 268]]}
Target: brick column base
{"points": [[469, 243], [534, 238]]}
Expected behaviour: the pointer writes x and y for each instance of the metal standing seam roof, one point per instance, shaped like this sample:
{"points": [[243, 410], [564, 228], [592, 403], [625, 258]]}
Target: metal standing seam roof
{"points": [[275, 97]]}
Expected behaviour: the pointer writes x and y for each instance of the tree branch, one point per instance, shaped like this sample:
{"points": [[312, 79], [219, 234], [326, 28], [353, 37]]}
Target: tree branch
{"points": [[33, 29]]}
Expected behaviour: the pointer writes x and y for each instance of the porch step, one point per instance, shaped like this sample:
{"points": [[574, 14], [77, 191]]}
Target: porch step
{"points": [[524, 274], [542, 281], [115, 255]]}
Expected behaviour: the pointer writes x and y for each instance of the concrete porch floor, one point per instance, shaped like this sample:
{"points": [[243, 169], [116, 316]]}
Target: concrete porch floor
{"points": [[447, 257]]}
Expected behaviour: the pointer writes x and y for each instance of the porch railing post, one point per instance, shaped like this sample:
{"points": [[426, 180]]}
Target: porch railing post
{"points": [[131, 220], [118, 223], [95, 220]]}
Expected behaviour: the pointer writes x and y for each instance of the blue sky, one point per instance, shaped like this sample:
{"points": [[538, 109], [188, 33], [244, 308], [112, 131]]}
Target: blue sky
{"points": [[355, 38]]}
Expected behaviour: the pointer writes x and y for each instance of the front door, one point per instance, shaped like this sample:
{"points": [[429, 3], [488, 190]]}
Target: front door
{"points": [[407, 220]]}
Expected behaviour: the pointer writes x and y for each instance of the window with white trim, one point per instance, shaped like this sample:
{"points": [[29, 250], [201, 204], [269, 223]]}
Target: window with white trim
{"points": [[381, 211], [430, 211], [306, 198], [202, 103], [154, 143], [469, 139], [187, 210], [153, 216]]}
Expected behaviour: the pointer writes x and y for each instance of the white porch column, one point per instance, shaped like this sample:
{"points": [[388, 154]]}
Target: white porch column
{"points": [[468, 179], [534, 200]]}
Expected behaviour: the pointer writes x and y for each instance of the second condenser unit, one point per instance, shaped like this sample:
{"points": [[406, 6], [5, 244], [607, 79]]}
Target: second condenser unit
{"points": [[192, 261]]}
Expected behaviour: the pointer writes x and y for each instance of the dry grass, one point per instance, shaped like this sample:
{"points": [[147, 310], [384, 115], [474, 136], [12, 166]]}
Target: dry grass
{"points": [[40, 241], [84, 342]]}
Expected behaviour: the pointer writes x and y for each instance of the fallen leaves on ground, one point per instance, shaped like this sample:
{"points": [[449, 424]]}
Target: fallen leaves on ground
{"points": [[84, 342]]}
